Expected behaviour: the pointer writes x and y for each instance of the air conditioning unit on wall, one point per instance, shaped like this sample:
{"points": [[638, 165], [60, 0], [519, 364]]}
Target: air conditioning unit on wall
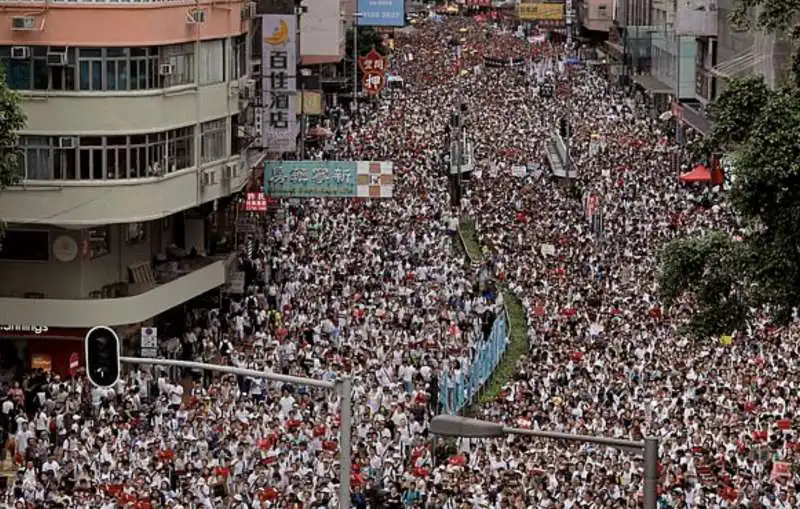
{"points": [[23, 23]]}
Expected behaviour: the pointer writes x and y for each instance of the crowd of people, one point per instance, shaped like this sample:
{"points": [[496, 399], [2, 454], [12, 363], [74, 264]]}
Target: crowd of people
{"points": [[379, 290]]}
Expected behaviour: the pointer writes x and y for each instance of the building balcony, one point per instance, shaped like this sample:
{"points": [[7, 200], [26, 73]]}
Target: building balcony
{"points": [[96, 202], [151, 293], [131, 112]]}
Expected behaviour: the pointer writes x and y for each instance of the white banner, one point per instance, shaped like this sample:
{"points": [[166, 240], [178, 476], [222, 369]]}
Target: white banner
{"points": [[279, 82]]}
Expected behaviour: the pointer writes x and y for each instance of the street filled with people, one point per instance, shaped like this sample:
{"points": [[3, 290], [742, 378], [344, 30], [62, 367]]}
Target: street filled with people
{"points": [[381, 290]]}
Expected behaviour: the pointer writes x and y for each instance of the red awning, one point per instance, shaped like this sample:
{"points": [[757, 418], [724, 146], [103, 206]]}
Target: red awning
{"points": [[699, 174]]}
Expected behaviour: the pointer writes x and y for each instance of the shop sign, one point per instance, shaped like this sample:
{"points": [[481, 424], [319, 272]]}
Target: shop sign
{"points": [[35, 329]]}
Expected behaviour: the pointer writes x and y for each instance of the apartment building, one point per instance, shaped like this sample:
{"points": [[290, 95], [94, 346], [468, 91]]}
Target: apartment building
{"points": [[692, 49], [136, 144], [596, 15]]}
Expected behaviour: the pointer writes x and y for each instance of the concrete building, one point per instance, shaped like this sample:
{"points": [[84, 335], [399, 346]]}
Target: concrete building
{"points": [[691, 54], [596, 15], [137, 139]]}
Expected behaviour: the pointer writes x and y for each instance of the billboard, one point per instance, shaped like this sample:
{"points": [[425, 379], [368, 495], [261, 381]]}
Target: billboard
{"points": [[319, 37], [382, 13], [279, 82], [328, 179], [541, 11], [696, 18]]}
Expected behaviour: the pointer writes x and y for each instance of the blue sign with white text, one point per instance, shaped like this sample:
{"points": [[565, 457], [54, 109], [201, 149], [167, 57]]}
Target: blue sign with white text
{"points": [[382, 13]]}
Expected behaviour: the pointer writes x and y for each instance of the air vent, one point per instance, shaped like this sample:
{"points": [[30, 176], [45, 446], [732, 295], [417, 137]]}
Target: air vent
{"points": [[23, 23]]}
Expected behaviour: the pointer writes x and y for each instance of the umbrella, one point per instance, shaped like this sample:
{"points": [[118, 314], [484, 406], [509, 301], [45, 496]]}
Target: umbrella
{"points": [[699, 174]]}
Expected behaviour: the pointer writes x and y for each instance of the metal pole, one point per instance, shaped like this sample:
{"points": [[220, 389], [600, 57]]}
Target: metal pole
{"points": [[303, 119], [355, 64], [276, 377], [554, 435], [460, 153], [650, 473], [345, 389]]}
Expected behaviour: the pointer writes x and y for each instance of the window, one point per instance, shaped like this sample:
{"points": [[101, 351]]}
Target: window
{"points": [[99, 240], [116, 69], [25, 245], [144, 68], [91, 158], [37, 157], [212, 62], [138, 156], [122, 69], [90, 68], [181, 58], [107, 157], [135, 233], [65, 163], [238, 65], [180, 149], [212, 140]]}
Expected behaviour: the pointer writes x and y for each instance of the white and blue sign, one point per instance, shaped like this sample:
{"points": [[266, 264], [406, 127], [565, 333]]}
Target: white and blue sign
{"points": [[382, 13]]}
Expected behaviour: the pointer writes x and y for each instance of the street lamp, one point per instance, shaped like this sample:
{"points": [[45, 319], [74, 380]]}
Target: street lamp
{"points": [[456, 426]]}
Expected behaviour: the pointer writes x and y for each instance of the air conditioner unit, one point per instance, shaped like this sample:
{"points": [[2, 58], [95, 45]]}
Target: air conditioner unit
{"points": [[244, 131], [165, 69], [233, 90], [209, 178], [248, 91], [196, 17], [57, 59], [23, 23], [20, 52], [249, 11], [67, 142]]}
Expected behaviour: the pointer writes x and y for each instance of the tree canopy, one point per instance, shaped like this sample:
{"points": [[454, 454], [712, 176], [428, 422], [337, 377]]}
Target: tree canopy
{"points": [[727, 274], [12, 119]]}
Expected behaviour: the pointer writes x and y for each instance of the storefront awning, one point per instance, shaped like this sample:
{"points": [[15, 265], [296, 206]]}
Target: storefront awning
{"points": [[696, 119], [652, 85]]}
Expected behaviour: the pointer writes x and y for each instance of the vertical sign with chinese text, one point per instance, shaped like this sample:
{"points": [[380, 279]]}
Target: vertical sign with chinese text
{"points": [[279, 82]]}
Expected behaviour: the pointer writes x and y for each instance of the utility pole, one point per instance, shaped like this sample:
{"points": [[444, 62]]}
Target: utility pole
{"points": [[456, 155]]}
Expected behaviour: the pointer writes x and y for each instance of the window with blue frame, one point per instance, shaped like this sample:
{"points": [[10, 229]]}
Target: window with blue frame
{"points": [[109, 69]]}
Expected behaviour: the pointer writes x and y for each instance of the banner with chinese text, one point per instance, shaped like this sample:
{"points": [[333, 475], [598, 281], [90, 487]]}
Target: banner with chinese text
{"points": [[328, 179], [279, 82]]}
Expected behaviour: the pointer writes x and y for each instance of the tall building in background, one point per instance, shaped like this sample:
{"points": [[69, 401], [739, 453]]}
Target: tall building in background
{"points": [[596, 15], [133, 156], [681, 52]]}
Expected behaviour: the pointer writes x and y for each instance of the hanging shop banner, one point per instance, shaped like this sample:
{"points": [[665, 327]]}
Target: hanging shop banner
{"points": [[373, 66], [279, 82], [503, 62], [382, 13], [328, 179], [541, 11], [255, 202]]}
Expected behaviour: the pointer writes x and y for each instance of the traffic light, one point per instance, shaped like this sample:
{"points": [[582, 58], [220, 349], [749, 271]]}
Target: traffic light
{"points": [[102, 356]]}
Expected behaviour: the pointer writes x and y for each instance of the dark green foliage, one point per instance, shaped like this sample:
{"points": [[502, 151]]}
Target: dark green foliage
{"points": [[761, 130]]}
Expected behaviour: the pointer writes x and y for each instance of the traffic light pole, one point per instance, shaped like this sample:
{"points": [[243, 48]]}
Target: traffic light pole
{"points": [[343, 386]]}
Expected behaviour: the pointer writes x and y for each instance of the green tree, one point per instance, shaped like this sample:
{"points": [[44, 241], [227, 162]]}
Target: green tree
{"points": [[761, 130], [12, 120]]}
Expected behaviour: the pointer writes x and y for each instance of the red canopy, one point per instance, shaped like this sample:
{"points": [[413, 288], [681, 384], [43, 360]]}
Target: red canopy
{"points": [[699, 174]]}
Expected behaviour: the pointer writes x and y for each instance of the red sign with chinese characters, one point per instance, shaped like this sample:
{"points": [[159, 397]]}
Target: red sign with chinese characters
{"points": [[374, 66], [255, 202], [373, 62], [373, 83]]}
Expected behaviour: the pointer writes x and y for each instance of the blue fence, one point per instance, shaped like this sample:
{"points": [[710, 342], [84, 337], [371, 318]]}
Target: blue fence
{"points": [[458, 389]]}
